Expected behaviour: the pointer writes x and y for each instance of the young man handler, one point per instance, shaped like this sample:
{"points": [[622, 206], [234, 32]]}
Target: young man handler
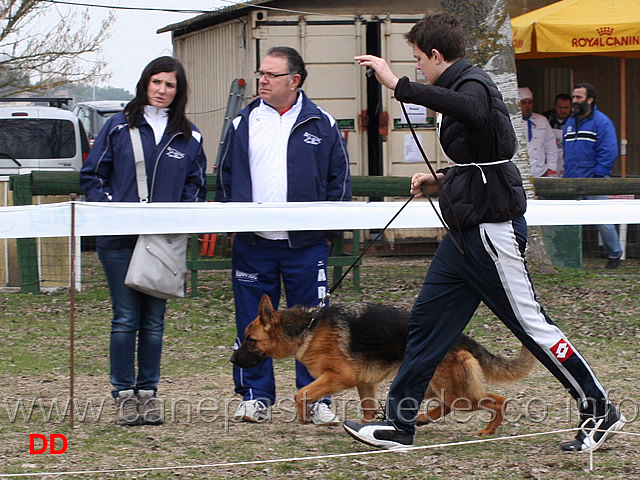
{"points": [[482, 257]]}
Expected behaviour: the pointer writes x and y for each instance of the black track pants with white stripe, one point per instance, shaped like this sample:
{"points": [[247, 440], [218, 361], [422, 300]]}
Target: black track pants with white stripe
{"points": [[493, 271]]}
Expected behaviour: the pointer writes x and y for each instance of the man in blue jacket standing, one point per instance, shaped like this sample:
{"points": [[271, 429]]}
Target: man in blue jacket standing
{"points": [[280, 148], [590, 151]]}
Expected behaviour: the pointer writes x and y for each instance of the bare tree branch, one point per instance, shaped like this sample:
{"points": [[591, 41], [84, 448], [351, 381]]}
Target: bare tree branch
{"points": [[37, 59]]}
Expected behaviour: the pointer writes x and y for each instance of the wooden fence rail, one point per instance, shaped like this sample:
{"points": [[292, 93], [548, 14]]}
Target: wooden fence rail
{"points": [[64, 183]]}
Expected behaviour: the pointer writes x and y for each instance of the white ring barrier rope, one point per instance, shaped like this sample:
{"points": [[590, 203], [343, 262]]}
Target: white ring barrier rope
{"points": [[300, 459], [101, 218]]}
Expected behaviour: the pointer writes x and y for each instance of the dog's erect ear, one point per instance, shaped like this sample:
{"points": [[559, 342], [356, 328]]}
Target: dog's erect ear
{"points": [[266, 313]]}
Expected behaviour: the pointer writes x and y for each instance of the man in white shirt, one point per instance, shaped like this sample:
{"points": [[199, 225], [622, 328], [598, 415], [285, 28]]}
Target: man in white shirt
{"points": [[541, 141], [280, 148]]}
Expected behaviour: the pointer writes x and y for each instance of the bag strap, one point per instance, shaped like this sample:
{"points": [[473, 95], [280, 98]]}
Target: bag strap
{"points": [[141, 168]]}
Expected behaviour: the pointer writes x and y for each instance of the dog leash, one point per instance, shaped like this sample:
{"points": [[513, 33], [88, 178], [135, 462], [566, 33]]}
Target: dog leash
{"points": [[459, 247], [424, 190], [354, 263], [336, 284]]}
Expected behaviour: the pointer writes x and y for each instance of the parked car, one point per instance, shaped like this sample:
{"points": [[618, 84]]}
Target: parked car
{"points": [[40, 138], [93, 115]]}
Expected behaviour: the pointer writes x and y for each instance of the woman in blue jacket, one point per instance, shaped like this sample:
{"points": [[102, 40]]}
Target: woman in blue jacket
{"points": [[175, 164]]}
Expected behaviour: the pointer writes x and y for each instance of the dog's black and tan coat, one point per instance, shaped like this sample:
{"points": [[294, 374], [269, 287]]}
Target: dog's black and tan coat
{"points": [[360, 345]]}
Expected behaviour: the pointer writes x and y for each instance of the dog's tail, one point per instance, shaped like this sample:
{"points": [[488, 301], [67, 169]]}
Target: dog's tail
{"points": [[496, 368]]}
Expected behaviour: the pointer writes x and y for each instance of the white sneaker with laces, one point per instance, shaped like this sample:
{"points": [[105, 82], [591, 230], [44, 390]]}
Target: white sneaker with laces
{"points": [[321, 414], [594, 431], [254, 411]]}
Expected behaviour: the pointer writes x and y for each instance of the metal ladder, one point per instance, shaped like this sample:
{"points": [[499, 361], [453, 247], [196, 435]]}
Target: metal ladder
{"points": [[234, 103], [207, 242]]}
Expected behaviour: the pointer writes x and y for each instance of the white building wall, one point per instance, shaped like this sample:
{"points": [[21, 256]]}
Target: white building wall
{"points": [[212, 58]]}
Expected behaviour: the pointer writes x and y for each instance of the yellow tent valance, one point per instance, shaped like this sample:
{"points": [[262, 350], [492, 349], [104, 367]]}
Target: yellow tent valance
{"points": [[579, 27]]}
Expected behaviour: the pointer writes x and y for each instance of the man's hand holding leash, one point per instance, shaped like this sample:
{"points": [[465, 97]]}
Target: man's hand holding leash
{"points": [[425, 181], [381, 69]]}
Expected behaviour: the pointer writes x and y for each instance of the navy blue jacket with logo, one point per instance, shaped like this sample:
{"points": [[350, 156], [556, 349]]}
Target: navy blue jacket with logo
{"points": [[176, 169], [316, 170]]}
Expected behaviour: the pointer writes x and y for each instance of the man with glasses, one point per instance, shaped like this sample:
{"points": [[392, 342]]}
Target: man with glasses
{"points": [[280, 148]]}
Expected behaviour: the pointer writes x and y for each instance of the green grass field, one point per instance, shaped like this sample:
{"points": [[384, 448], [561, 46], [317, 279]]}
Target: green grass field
{"points": [[598, 310]]}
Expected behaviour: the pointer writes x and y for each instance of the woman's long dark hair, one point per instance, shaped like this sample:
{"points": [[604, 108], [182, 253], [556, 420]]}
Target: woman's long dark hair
{"points": [[178, 121]]}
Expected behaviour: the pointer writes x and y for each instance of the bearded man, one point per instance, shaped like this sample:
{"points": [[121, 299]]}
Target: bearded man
{"points": [[590, 151]]}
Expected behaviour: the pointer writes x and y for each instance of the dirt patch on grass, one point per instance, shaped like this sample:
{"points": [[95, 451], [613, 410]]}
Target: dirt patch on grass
{"points": [[598, 312]]}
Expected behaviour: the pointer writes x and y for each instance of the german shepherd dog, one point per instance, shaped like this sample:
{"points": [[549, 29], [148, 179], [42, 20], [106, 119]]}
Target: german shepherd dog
{"points": [[360, 345]]}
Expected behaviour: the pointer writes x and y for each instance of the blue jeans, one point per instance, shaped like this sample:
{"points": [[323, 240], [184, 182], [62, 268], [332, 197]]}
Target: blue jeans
{"points": [[609, 234], [136, 316]]}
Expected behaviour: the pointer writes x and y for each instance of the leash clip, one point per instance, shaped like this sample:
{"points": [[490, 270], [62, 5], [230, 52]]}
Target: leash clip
{"points": [[320, 306], [323, 302]]}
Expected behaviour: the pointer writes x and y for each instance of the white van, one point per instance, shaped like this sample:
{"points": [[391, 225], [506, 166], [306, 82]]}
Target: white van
{"points": [[40, 138], [93, 115]]}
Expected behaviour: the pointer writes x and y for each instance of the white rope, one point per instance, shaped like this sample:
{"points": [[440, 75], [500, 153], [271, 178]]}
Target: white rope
{"points": [[479, 165], [303, 459]]}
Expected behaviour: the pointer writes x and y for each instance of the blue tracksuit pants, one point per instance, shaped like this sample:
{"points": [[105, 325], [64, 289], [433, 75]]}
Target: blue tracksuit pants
{"points": [[493, 271], [262, 268]]}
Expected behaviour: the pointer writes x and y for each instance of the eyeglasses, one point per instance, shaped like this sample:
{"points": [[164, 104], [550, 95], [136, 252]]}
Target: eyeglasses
{"points": [[270, 75]]}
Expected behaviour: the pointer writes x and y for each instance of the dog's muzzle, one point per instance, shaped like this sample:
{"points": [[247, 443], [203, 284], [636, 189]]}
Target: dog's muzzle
{"points": [[244, 359]]}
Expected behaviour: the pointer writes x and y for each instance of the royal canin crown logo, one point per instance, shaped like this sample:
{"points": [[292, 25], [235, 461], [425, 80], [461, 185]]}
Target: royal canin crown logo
{"points": [[606, 40], [517, 42]]}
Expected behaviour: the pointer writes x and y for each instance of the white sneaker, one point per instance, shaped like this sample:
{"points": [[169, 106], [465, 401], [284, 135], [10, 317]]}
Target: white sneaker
{"points": [[254, 411], [383, 434], [595, 430], [321, 414]]}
